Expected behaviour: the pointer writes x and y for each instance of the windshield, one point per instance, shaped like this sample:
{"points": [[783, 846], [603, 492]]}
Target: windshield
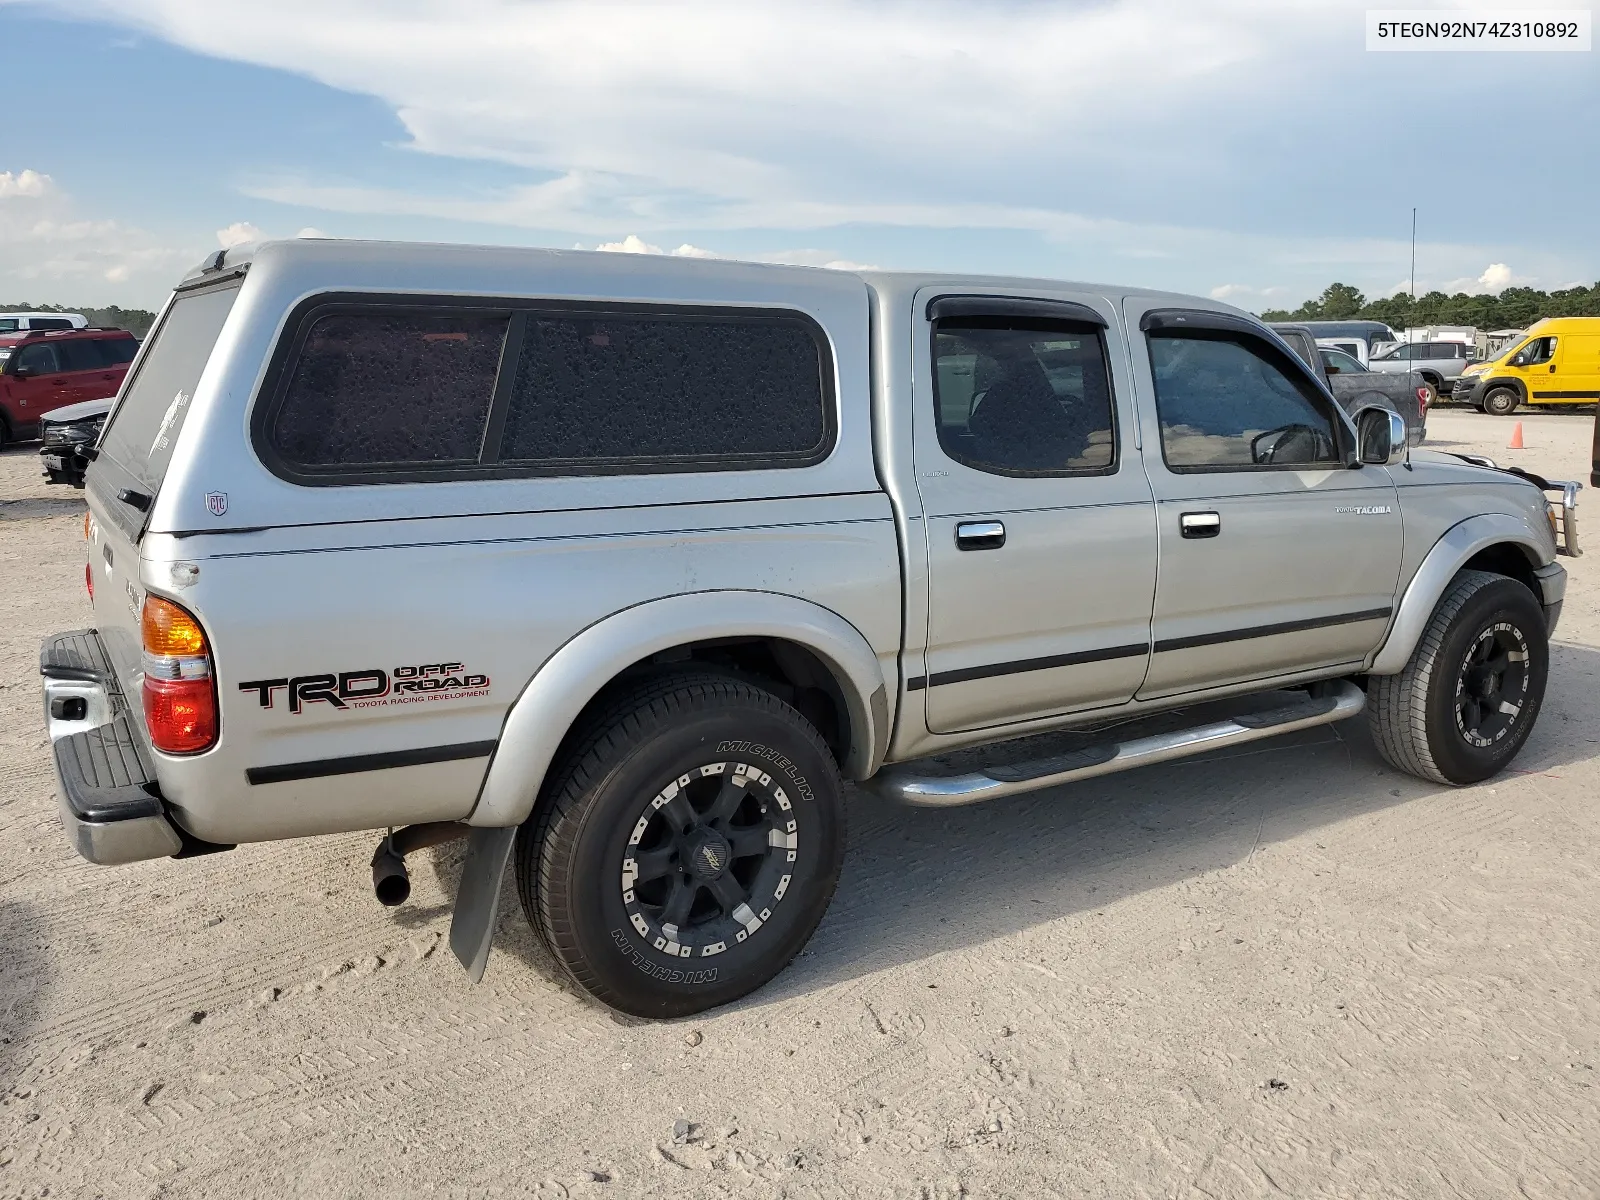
{"points": [[1510, 347], [145, 426]]}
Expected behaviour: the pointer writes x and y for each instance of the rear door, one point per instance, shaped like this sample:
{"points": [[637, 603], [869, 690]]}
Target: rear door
{"points": [[1039, 520], [1275, 557], [84, 367]]}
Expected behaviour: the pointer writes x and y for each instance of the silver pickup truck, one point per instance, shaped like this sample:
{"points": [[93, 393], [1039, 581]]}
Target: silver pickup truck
{"points": [[619, 566]]}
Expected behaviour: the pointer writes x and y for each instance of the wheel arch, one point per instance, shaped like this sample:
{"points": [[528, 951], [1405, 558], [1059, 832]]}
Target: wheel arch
{"points": [[1498, 542], [1507, 381], [746, 628]]}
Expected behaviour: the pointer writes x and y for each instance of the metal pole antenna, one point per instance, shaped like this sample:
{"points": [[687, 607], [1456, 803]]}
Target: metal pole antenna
{"points": [[1413, 281]]}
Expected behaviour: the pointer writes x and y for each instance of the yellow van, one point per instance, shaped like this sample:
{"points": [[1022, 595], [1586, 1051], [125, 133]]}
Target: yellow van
{"points": [[1556, 362]]}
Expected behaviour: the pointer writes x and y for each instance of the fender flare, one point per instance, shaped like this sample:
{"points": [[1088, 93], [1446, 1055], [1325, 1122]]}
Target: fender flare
{"points": [[1449, 554], [539, 720]]}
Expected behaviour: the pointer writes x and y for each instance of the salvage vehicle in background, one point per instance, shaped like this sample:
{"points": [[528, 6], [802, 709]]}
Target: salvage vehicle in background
{"points": [[67, 437], [1439, 364], [1556, 362], [1374, 336], [1355, 387], [619, 565], [46, 369], [21, 322]]}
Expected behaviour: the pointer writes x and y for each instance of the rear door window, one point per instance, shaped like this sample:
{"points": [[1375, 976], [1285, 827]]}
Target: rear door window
{"points": [[1013, 398], [80, 354], [144, 427]]}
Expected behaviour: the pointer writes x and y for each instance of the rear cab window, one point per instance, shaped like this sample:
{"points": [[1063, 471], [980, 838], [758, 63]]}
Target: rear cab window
{"points": [[363, 391], [142, 431]]}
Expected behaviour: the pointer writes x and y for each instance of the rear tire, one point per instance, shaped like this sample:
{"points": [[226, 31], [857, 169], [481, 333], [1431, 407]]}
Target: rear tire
{"points": [[1501, 401], [690, 845], [1467, 700]]}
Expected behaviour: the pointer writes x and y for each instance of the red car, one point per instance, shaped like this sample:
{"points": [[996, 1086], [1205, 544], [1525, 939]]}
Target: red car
{"points": [[43, 369]]}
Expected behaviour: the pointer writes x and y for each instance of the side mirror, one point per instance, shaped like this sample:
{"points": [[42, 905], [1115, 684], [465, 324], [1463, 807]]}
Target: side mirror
{"points": [[20, 372], [1382, 436]]}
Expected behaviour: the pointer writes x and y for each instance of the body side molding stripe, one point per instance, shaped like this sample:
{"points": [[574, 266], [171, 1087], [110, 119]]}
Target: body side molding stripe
{"points": [[990, 670], [318, 768], [1239, 635]]}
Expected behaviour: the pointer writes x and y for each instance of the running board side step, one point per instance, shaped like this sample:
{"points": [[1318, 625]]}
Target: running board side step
{"points": [[904, 783]]}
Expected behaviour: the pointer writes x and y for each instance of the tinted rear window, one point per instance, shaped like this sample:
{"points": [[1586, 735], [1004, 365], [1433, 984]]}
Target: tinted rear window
{"points": [[367, 393], [145, 426], [95, 354], [650, 392], [373, 389]]}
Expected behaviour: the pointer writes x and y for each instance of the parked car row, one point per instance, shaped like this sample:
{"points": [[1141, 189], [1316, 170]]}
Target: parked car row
{"points": [[45, 371], [1355, 387]]}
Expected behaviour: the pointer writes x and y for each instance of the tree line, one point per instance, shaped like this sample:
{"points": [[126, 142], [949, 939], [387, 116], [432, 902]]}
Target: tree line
{"points": [[1514, 308], [136, 321]]}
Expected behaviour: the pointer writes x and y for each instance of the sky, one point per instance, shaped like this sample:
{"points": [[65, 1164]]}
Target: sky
{"points": [[1251, 151]]}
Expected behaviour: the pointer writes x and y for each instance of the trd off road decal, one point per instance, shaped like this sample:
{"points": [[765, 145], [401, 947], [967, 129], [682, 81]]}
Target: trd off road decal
{"points": [[372, 688]]}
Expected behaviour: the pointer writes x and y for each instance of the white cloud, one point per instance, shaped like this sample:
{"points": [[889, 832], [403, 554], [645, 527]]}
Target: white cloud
{"points": [[703, 116], [311, 231], [1496, 278], [24, 183], [240, 233], [815, 258], [1229, 291], [51, 254], [634, 244], [716, 114]]}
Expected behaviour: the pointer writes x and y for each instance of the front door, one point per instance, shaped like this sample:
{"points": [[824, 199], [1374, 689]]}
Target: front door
{"points": [[1039, 520], [38, 384], [1275, 556]]}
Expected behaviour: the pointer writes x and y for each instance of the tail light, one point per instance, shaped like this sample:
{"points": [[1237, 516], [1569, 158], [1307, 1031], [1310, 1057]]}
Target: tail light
{"points": [[88, 567], [1422, 400], [180, 696]]}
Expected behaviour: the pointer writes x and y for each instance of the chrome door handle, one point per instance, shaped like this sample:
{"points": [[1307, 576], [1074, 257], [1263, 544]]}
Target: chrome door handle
{"points": [[1200, 524], [980, 535]]}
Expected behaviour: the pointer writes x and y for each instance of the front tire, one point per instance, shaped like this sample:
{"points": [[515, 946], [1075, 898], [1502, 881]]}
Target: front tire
{"points": [[1501, 401], [1467, 700], [689, 848]]}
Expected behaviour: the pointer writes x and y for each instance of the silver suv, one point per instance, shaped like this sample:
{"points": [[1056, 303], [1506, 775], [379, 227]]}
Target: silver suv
{"points": [[619, 566]]}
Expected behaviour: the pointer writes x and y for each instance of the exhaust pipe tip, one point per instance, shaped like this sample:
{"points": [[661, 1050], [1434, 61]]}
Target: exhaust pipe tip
{"points": [[390, 882]]}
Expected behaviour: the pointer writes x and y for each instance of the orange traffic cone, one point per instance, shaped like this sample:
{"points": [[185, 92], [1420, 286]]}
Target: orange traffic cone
{"points": [[1516, 438]]}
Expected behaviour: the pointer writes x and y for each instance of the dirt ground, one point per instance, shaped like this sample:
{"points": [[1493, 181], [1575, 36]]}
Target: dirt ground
{"points": [[1284, 972]]}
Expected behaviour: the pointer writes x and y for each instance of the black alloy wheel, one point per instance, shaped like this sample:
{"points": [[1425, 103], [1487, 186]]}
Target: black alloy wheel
{"points": [[709, 859], [1492, 685], [1467, 700], [687, 845]]}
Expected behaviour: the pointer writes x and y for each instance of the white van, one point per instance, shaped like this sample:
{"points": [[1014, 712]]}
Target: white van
{"points": [[21, 322]]}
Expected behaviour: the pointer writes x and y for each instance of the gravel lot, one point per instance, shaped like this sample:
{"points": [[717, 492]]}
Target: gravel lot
{"points": [[1285, 972]]}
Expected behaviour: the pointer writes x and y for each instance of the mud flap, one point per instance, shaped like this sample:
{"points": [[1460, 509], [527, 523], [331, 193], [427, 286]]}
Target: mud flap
{"points": [[478, 897]]}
